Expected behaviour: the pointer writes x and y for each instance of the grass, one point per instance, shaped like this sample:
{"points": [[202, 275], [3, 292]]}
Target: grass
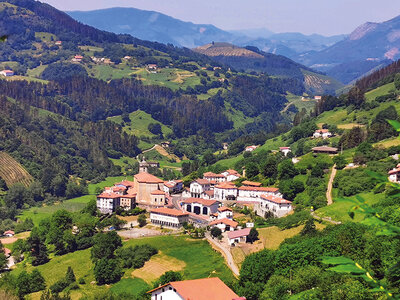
{"points": [[140, 121], [106, 72], [338, 211], [37, 214], [13, 172], [382, 90], [36, 72], [297, 101], [197, 257]]}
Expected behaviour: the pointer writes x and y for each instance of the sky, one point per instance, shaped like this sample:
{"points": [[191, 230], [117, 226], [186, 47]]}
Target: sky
{"points": [[326, 17]]}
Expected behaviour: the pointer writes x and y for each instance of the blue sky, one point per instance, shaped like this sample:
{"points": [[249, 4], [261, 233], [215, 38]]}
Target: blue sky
{"points": [[327, 17]]}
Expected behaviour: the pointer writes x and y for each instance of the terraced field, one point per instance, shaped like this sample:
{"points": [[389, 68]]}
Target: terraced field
{"points": [[12, 172]]}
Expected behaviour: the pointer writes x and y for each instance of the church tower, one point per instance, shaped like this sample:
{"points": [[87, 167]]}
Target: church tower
{"points": [[143, 166]]}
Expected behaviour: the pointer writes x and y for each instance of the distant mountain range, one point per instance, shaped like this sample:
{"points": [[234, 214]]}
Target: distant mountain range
{"points": [[155, 26]]}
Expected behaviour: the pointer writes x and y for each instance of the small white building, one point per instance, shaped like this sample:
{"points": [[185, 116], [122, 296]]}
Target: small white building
{"points": [[225, 213], [199, 187], [212, 177], [253, 193], [7, 73], [168, 217], [107, 202], [394, 175], [198, 289], [173, 186], [224, 224], [275, 204], [200, 206], [238, 236], [231, 175], [285, 150], [250, 148], [324, 133], [225, 191]]}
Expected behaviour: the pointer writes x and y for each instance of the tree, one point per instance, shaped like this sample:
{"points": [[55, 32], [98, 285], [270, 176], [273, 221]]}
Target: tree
{"points": [[3, 259], [252, 170], [70, 276], [270, 167], [155, 128], [23, 284], [290, 188], [309, 228], [38, 248], [17, 196], [286, 169], [37, 282], [107, 271], [105, 245], [167, 277], [142, 220], [355, 97], [340, 162], [216, 232], [253, 235]]}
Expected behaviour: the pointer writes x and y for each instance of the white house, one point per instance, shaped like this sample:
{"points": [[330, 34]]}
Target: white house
{"points": [[324, 133], [238, 236], [224, 224], [168, 217], [275, 204], [173, 186], [231, 175], [394, 175], [285, 150], [107, 202], [198, 289], [225, 191], [9, 233], [225, 213], [200, 206], [250, 193], [199, 187], [7, 73], [250, 148], [210, 176]]}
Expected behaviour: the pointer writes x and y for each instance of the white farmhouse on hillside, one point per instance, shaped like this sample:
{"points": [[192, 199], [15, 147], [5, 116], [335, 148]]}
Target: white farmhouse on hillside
{"points": [[276, 205], [231, 175], [324, 133], [394, 175], [285, 150]]}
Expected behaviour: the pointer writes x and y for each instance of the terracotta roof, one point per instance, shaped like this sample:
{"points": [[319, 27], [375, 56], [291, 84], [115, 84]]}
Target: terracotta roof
{"points": [[78, 56], [325, 148], [126, 183], [169, 184], [201, 201], [7, 252], [232, 172], [132, 191], [238, 233], [322, 131], [147, 178], [202, 181], [225, 221], [224, 208], [129, 196], [275, 199], [251, 183], [284, 148], [157, 192], [226, 185], [259, 189], [202, 289], [118, 188], [109, 195], [9, 232], [169, 211], [178, 181], [8, 71], [209, 193], [211, 174]]}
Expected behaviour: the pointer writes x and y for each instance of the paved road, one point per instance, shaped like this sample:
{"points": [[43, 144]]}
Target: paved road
{"points": [[226, 251], [330, 184]]}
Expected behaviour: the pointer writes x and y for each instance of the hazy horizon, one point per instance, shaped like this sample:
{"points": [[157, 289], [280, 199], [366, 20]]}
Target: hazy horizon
{"points": [[311, 16]]}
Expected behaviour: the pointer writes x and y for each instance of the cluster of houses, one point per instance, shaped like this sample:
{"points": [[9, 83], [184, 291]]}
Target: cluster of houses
{"points": [[394, 174]]}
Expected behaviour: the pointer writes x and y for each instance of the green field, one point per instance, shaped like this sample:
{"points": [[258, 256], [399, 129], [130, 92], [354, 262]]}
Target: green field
{"points": [[339, 210], [73, 205], [200, 261], [297, 101], [106, 72], [140, 121], [36, 72], [382, 90]]}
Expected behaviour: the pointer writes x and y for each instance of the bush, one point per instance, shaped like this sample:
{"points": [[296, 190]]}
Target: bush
{"points": [[216, 232], [142, 220]]}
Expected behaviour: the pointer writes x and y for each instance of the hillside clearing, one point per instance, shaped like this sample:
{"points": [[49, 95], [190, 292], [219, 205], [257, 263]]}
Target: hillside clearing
{"points": [[13, 172]]}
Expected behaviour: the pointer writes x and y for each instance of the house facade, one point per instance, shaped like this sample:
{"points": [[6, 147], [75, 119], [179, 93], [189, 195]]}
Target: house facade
{"points": [[394, 175], [199, 187], [250, 193], [225, 191], [7, 73], [145, 185], [210, 176], [168, 217], [285, 150], [231, 175], [276, 205], [224, 224], [322, 133], [107, 202], [238, 236], [200, 206]]}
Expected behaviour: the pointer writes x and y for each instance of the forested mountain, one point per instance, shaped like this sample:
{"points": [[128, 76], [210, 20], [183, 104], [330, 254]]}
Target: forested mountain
{"points": [[371, 45], [155, 26]]}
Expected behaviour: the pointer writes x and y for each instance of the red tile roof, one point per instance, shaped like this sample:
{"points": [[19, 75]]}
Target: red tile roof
{"points": [[259, 189], [157, 192], [201, 201], [284, 148], [7, 252], [394, 171], [275, 199], [202, 181], [251, 183], [211, 174], [209, 193], [9, 232], [202, 289], [168, 211], [147, 178], [325, 149], [126, 183], [238, 233], [322, 131], [225, 221], [109, 196], [224, 208], [226, 185], [131, 196], [232, 172]]}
